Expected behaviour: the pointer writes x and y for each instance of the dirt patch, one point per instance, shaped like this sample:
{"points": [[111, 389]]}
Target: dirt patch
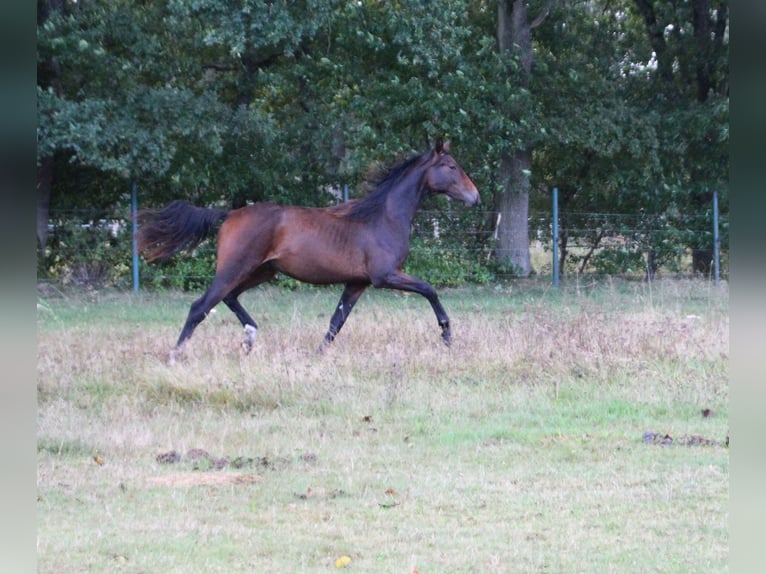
{"points": [[203, 479], [651, 437], [202, 460]]}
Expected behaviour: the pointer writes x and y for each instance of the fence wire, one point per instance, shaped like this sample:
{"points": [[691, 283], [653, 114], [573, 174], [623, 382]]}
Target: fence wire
{"points": [[94, 247]]}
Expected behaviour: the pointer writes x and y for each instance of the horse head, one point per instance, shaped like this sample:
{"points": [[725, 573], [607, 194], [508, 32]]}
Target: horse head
{"points": [[445, 175]]}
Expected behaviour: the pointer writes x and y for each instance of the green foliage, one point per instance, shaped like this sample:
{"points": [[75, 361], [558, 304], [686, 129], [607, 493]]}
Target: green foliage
{"points": [[93, 254], [455, 266], [188, 272], [224, 103], [617, 261]]}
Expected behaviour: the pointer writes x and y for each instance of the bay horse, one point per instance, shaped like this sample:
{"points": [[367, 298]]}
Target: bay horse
{"points": [[358, 243]]}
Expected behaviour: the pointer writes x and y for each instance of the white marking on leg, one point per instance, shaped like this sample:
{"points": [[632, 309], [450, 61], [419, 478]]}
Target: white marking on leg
{"points": [[250, 332]]}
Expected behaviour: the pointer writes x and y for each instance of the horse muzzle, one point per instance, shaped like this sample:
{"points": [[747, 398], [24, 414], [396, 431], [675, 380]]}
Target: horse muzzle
{"points": [[472, 201], [471, 197]]}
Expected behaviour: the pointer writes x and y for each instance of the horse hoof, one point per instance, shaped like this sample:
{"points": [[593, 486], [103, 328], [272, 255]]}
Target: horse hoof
{"points": [[324, 346], [446, 331], [247, 344]]}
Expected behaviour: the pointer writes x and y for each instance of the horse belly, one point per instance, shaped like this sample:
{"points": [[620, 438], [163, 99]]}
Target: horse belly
{"points": [[313, 265], [320, 274], [321, 255]]}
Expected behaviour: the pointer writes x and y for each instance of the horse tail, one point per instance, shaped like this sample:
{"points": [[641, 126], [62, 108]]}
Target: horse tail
{"points": [[177, 227]]}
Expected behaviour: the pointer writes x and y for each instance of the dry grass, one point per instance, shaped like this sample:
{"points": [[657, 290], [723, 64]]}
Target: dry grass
{"points": [[517, 449]]}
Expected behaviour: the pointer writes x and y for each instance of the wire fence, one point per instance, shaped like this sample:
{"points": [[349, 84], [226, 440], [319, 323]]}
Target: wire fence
{"points": [[91, 247]]}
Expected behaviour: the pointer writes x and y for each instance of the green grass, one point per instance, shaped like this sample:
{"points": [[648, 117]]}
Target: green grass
{"points": [[518, 449]]}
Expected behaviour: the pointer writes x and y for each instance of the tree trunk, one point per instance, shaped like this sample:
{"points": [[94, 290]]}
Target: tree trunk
{"points": [[702, 260], [651, 265], [656, 33], [44, 184], [563, 244], [594, 245], [514, 34], [566, 194], [513, 204]]}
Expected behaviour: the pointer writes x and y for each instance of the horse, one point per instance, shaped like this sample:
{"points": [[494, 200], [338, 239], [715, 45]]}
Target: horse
{"points": [[357, 243]]}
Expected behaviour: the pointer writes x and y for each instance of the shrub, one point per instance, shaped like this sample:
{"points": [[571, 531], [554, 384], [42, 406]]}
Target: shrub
{"points": [[445, 266], [92, 254]]}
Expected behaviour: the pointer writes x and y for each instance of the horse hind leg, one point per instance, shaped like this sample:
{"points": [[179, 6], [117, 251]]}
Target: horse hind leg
{"points": [[220, 289], [261, 275], [250, 326], [239, 267], [197, 313]]}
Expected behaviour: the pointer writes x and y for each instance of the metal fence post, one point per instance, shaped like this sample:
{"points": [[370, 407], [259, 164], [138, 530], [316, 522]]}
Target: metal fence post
{"points": [[133, 211], [716, 240], [555, 237]]}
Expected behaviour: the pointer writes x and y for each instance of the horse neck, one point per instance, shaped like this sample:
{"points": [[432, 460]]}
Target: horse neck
{"points": [[403, 200]]}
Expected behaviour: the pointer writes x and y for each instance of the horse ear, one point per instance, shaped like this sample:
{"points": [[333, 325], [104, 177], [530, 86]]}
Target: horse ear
{"points": [[439, 145], [445, 147]]}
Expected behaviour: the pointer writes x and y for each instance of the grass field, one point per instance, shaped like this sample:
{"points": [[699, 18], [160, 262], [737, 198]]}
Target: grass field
{"points": [[574, 430]]}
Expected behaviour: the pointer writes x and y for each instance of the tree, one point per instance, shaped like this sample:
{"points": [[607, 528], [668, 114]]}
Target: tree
{"points": [[514, 40], [259, 58], [623, 130], [48, 78], [690, 89], [117, 110], [600, 145]]}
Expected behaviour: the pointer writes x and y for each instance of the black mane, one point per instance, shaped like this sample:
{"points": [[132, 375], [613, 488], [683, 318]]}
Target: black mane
{"points": [[381, 182]]}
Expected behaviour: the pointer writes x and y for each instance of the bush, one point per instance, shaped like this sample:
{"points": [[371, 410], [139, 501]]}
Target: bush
{"points": [[186, 271], [619, 260], [443, 266], [93, 254]]}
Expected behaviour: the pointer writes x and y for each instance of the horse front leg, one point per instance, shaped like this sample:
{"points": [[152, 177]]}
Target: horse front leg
{"points": [[348, 299], [402, 282]]}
